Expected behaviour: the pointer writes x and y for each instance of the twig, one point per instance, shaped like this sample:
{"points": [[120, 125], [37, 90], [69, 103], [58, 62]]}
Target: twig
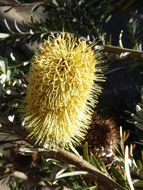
{"points": [[105, 48], [84, 165], [13, 127], [68, 157], [118, 50]]}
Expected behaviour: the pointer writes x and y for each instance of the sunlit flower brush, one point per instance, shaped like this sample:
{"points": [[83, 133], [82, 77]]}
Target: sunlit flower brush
{"points": [[62, 91]]}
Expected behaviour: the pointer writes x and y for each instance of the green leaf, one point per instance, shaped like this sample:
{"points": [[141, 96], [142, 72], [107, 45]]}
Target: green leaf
{"points": [[3, 66], [95, 162], [6, 65], [118, 176], [85, 151], [142, 155], [139, 164], [138, 183]]}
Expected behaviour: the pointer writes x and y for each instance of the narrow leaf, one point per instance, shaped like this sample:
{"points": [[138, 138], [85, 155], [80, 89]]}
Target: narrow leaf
{"points": [[69, 174], [4, 35], [127, 169], [118, 176], [95, 162], [85, 151]]}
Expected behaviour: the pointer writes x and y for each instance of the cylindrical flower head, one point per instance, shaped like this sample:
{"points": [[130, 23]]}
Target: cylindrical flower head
{"points": [[62, 91]]}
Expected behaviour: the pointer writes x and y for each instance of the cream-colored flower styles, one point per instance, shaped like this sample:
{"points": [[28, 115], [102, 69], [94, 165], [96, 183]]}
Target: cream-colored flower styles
{"points": [[61, 94]]}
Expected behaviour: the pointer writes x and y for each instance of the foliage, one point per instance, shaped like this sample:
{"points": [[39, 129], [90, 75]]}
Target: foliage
{"points": [[25, 166]]}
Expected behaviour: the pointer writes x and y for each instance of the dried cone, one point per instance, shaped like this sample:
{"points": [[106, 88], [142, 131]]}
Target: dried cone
{"points": [[62, 91], [103, 137]]}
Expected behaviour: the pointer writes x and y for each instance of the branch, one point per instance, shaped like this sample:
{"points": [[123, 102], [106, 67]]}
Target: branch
{"points": [[118, 50], [71, 158], [105, 48], [13, 127], [68, 157]]}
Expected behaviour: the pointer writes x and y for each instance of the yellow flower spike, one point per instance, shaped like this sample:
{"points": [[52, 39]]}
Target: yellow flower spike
{"points": [[62, 92]]}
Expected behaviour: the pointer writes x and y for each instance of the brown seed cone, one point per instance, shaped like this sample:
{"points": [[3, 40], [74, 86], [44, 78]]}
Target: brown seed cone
{"points": [[103, 137], [22, 162]]}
